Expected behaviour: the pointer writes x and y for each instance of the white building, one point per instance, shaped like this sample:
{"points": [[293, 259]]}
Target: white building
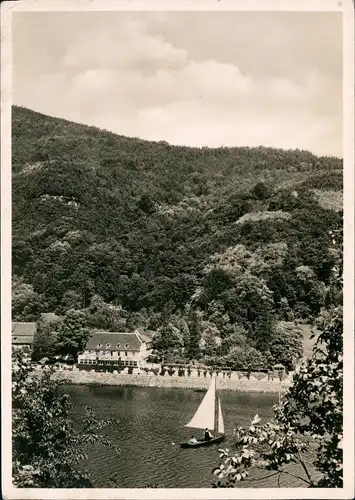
{"points": [[113, 349]]}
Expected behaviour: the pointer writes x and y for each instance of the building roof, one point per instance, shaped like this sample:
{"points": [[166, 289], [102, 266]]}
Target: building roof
{"points": [[146, 337], [114, 341], [23, 333]]}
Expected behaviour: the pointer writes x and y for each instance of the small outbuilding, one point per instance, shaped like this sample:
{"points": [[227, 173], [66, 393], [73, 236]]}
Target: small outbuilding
{"points": [[23, 334]]}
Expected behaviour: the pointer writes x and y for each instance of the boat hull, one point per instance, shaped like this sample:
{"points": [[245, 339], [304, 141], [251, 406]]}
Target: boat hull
{"points": [[215, 440]]}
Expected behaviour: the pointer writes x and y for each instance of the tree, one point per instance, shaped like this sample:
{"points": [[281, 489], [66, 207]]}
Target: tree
{"points": [[250, 303], [261, 191], [239, 258], [21, 254], [106, 316], [284, 311], [245, 358], [48, 449], [217, 281], [137, 320], [286, 344], [310, 291], [71, 300], [146, 204], [73, 334], [244, 297], [210, 338], [168, 339], [237, 338], [26, 303], [194, 324], [45, 338], [308, 422]]}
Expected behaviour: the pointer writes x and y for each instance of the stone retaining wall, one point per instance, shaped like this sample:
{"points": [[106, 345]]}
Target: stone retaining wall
{"points": [[233, 384]]}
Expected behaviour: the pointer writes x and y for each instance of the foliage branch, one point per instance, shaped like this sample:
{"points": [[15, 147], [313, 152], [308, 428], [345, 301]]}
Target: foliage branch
{"points": [[48, 447]]}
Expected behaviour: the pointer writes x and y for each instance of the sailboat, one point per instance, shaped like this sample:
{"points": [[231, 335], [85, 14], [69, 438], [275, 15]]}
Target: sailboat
{"points": [[208, 416]]}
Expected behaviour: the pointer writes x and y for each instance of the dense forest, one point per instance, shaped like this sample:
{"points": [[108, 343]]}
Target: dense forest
{"points": [[224, 253]]}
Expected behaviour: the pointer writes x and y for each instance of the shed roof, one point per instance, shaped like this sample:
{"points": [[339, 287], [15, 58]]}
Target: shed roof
{"points": [[113, 341]]}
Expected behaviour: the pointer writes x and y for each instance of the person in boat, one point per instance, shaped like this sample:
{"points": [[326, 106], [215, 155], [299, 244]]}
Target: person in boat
{"points": [[208, 436], [193, 440]]}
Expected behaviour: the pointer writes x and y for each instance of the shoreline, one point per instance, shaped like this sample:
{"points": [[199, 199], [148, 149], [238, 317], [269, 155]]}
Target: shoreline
{"points": [[169, 382]]}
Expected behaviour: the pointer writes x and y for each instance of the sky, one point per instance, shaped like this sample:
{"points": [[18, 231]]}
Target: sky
{"points": [[192, 78]]}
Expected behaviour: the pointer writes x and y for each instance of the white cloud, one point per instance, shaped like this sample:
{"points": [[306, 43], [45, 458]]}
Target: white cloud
{"points": [[148, 76]]}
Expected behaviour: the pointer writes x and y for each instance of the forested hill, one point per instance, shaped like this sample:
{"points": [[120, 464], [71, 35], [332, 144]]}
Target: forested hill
{"points": [[217, 249]]}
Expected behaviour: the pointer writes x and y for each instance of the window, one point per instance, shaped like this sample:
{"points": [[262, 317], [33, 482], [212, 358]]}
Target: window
{"points": [[117, 345], [135, 363], [99, 345], [108, 345], [127, 345], [126, 353]]}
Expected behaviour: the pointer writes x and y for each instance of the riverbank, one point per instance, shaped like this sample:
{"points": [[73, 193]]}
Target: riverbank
{"points": [[140, 380]]}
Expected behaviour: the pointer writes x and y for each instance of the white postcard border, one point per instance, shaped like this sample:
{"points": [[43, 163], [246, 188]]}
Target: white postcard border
{"points": [[344, 6]]}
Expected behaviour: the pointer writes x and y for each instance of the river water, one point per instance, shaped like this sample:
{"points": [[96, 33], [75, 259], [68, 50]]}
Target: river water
{"points": [[151, 427]]}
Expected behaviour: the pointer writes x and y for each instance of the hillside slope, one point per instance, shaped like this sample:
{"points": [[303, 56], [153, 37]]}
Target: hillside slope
{"points": [[141, 223]]}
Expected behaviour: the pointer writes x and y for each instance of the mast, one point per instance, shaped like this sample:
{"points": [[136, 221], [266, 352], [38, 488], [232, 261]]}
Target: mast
{"points": [[215, 406]]}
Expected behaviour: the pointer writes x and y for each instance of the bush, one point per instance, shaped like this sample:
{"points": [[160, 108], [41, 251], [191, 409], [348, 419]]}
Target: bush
{"points": [[47, 447]]}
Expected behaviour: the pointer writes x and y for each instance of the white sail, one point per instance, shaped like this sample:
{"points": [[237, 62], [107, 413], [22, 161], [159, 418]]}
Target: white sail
{"points": [[220, 418], [205, 415]]}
